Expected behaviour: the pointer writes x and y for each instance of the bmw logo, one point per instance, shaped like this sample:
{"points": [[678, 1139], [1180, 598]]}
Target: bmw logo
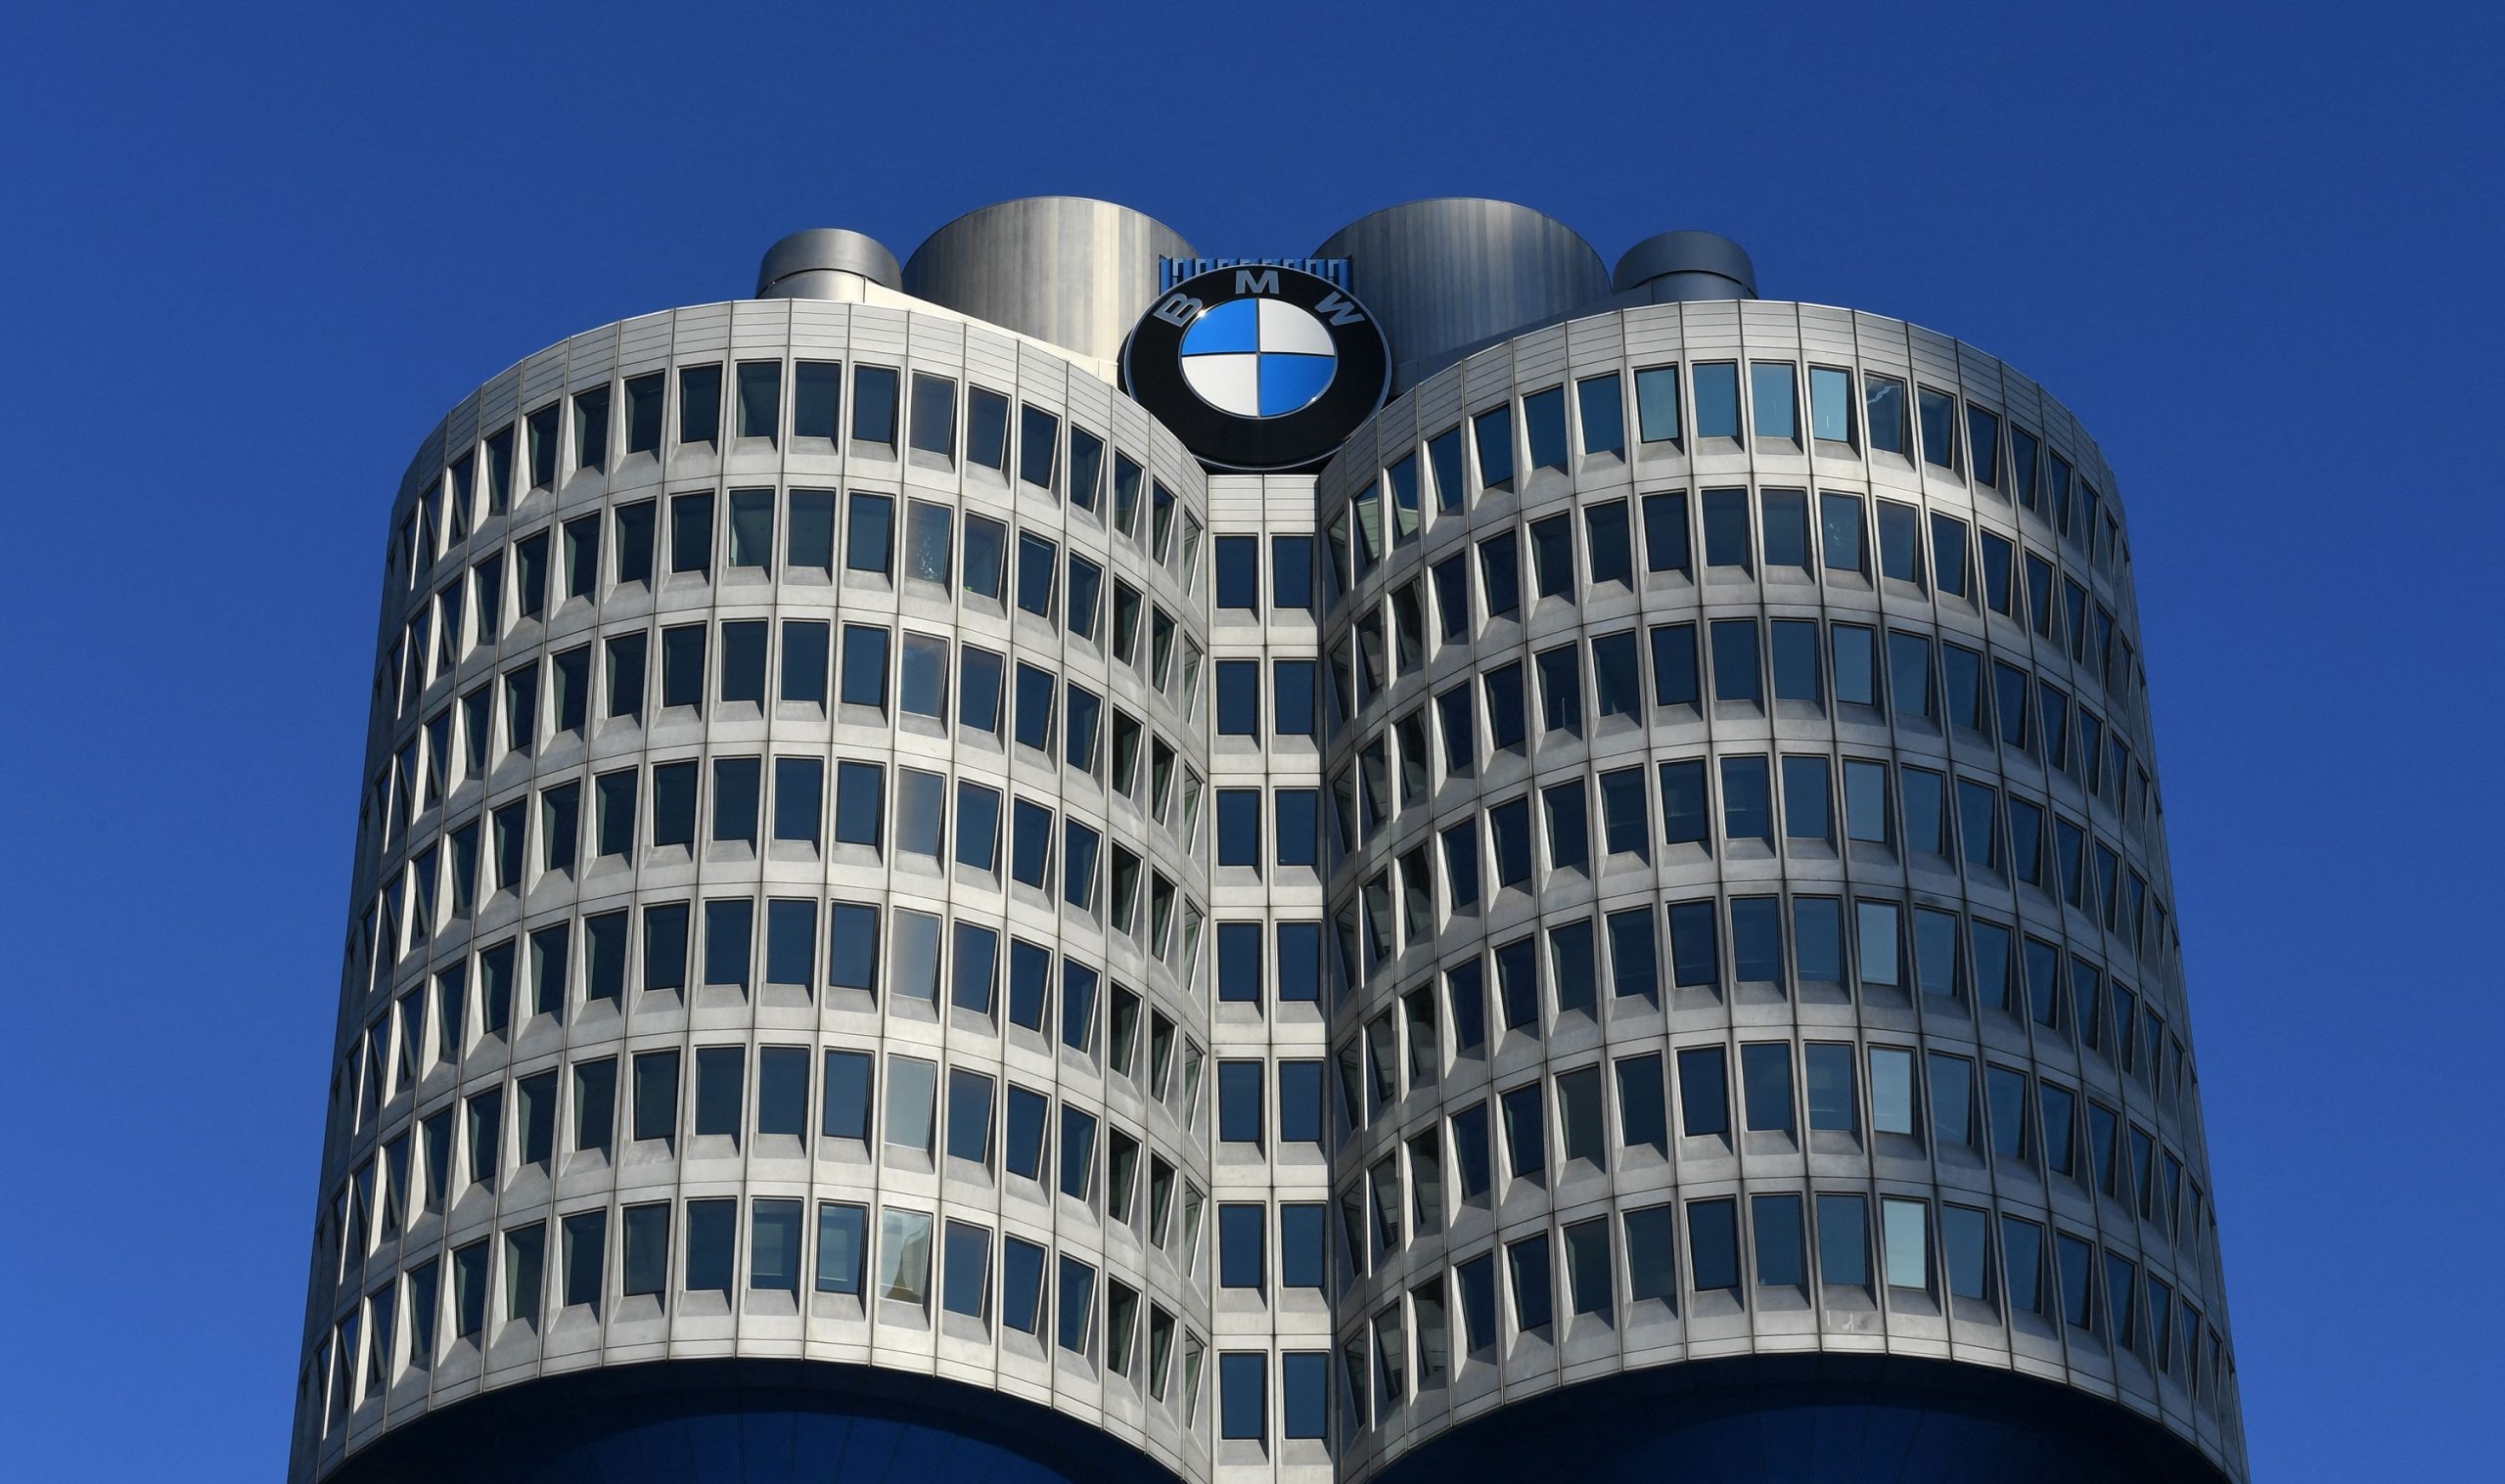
{"points": [[1257, 368]]}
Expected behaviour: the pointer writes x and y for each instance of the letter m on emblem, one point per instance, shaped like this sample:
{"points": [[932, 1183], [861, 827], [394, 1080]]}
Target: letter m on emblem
{"points": [[1265, 281]]}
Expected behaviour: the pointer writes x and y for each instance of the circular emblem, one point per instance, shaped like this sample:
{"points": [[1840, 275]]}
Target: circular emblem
{"points": [[1257, 368]]}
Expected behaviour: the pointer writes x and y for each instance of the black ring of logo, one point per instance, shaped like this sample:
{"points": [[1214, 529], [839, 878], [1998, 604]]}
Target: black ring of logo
{"points": [[1152, 371]]}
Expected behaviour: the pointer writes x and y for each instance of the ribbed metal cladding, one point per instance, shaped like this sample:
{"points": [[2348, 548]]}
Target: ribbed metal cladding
{"points": [[812, 263], [1067, 269], [1675, 266], [1454, 271]]}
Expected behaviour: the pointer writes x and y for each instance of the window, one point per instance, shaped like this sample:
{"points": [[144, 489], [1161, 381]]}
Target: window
{"points": [[1304, 1382], [1884, 399], [1674, 666], [843, 1236], [774, 1245], [1899, 542], [713, 1236], [742, 675], [1561, 688], [1765, 1074], [1239, 963], [1831, 404], [1657, 404], [2078, 1272], [1493, 432], [1704, 1102], [1713, 1243], [1796, 661], [1581, 1128], [1300, 1101], [634, 542], [905, 1257], [1839, 532], [986, 429], [816, 389], [1726, 528], [1599, 403], [1982, 439], [1830, 1076], [1694, 960], [1964, 1240], [1736, 675], [865, 667], [966, 1270], [1544, 425], [1774, 1223], [1241, 1261], [1552, 556], [1718, 400], [1666, 534], [700, 403], [1948, 556], [1291, 572], [1242, 1399], [1239, 573], [1843, 1241], [646, 1250], [541, 427], [1772, 399], [760, 399], [1905, 1233], [2022, 1246], [526, 1272], [1952, 1091], [810, 538], [1938, 411], [910, 1095], [691, 533], [1037, 566], [1039, 446], [1506, 721], [1865, 801], [977, 827], [1238, 827], [1500, 576], [752, 528], [1239, 1101], [721, 1074]]}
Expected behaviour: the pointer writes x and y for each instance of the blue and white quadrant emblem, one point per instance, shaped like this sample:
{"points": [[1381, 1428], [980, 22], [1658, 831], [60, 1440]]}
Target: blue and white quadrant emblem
{"points": [[1257, 358]]}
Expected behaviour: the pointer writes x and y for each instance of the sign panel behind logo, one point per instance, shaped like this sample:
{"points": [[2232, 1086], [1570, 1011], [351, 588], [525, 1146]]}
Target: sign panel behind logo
{"points": [[1257, 368]]}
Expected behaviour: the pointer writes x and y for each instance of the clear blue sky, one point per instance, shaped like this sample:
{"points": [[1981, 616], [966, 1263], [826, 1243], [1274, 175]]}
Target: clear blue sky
{"points": [[252, 254]]}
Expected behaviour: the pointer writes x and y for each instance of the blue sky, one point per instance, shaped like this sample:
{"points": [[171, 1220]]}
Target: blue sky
{"points": [[252, 253]]}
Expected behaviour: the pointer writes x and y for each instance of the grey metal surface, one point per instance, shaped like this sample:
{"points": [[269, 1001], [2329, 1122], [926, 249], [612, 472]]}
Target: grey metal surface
{"points": [[1687, 265], [1067, 269], [801, 265], [1451, 270]]}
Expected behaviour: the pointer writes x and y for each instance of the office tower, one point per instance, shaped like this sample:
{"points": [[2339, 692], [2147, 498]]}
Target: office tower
{"points": [[1074, 860]]}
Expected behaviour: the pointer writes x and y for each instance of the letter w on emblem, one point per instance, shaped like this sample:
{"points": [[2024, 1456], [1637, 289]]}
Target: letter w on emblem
{"points": [[1339, 311]]}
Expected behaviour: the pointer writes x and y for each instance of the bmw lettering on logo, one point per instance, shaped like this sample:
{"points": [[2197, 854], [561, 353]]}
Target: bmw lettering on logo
{"points": [[1257, 368]]}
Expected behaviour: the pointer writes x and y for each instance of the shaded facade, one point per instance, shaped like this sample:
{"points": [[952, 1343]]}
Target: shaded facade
{"points": [[900, 924]]}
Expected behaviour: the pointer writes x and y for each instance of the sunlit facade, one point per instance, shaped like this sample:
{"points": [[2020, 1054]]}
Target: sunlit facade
{"points": [[928, 906]]}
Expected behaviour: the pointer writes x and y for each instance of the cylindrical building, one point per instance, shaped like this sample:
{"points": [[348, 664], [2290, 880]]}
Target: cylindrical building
{"points": [[900, 926]]}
